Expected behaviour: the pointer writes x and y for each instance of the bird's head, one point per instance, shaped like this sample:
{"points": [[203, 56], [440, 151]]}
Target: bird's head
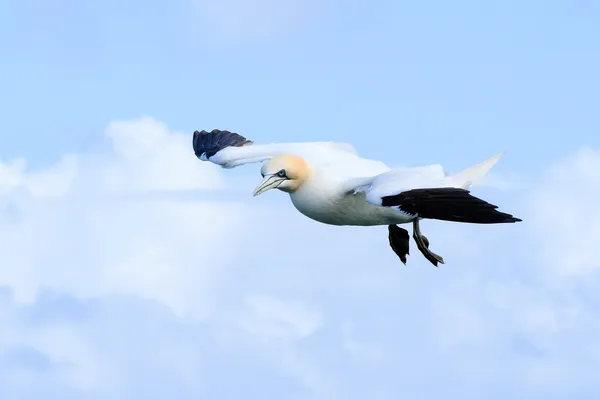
{"points": [[285, 172]]}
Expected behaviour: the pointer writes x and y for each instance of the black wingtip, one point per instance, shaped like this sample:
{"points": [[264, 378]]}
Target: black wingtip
{"points": [[207, 144], [448, 204]]}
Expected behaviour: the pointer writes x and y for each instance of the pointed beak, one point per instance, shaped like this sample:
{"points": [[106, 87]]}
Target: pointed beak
{"points": [[269, 182]]}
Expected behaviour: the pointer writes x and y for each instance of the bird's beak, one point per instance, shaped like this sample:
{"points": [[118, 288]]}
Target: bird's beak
{"points": [[269, 182]]}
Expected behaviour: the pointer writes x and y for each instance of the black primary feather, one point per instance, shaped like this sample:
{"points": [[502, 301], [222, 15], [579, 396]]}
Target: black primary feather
{"points": [[448, 204], [210, 143]]}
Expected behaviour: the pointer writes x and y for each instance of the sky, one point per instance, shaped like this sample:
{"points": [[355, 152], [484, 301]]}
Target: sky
{"points": [[131, 270]]}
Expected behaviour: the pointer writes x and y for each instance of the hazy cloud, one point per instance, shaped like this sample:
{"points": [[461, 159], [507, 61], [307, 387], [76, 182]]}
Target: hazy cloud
{"points": [[120, 282]]}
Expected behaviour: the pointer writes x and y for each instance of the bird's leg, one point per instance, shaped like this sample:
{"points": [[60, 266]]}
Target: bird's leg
{"points": [[399, 240], [423, 245]]}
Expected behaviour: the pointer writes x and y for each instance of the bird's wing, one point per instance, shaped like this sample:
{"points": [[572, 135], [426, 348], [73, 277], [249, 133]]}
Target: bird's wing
{"points": [[431, 193], [397, 180], [230, 150]]}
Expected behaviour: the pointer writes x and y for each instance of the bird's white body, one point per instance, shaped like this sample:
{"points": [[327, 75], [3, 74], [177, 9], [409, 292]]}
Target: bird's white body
{"points": [[343, 188], [325, 199]]}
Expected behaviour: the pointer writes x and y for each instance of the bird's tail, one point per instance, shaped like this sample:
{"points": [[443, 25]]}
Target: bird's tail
{"points": [[472, 175]]}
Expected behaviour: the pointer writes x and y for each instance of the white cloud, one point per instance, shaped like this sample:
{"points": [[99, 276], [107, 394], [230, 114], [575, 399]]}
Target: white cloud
{"points": [[51, 182], [277, 322], [565, 216], [103, 232], [123, 287], [149, 157]]}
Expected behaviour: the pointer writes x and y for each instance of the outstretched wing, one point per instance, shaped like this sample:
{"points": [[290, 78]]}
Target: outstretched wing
{"points": [[428, 192], [229, 150], [397, 180], [447, 204]]}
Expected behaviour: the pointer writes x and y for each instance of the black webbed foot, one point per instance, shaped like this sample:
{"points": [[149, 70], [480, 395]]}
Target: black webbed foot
{"points": [[423, 245], [399, 240]]}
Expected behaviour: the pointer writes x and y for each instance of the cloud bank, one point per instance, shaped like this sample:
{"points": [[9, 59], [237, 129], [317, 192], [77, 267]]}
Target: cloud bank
{"points": [[123, 277]]}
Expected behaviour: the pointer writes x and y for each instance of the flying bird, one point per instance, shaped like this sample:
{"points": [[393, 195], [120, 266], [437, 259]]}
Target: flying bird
{"points": [[330, 183]]}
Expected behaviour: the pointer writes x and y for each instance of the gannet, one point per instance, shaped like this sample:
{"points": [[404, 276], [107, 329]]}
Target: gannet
{"points": [[330, 183]]}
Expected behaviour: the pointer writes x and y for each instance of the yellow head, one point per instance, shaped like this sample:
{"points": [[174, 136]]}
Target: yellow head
{"points": [[285, 172]]}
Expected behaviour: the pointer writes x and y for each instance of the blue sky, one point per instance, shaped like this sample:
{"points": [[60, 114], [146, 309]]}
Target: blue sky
{"points": [[502, 75], [131, 270]]}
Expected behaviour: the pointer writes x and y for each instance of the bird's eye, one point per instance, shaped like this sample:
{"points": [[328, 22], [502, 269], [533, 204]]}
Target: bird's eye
{"points": [[282, 174]]}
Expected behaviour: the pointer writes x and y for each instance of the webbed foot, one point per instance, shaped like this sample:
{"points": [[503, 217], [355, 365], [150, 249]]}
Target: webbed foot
{"points": [[399, 240], [423, 245]]}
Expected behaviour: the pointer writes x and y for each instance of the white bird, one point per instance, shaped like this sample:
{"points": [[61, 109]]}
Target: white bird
{"points": [[329, 183]]}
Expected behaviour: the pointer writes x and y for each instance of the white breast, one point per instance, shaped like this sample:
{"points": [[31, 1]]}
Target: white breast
{"points": [[328, 204]]}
